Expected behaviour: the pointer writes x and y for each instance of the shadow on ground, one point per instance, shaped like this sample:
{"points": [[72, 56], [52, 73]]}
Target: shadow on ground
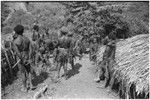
{"points": [[74, 71], [40, 78], [8, 79]]}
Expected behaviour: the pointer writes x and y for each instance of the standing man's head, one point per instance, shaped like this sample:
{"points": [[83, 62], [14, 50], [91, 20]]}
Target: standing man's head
{"points": [[19, 29], [36, 28], [63, 31], [94, 40], [70, 34], [112, 35]]}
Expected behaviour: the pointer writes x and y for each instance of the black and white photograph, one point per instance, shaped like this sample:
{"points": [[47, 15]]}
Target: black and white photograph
{"points": [[75, 49]]}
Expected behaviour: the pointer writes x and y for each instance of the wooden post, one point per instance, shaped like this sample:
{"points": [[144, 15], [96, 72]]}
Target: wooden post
{"points": [[10, 69], [127, 93], [40, 92], [134, 92], [16, 63]]}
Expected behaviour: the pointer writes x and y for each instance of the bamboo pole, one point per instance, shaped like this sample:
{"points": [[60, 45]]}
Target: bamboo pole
{"points": [[16, 63], [10, 69]]}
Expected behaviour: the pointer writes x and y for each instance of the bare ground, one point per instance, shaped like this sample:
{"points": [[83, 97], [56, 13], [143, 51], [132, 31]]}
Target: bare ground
{"points": [[80, 84]]}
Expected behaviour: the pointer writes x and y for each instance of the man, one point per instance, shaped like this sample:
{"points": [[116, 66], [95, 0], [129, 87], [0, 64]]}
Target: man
{"points": [[35, 35], [61, 59], [22, 47], [47, 50], [93, 48], [71, 46], [61, 52], [108, 57], [36, 44], [80, 48], [49, 45], [90, 47]]}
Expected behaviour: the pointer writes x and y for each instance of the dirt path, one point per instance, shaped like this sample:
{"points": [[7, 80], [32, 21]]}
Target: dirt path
{"points": [[82, 84]]}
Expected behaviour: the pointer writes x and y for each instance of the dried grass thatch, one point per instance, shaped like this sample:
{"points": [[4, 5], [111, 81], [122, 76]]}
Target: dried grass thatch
{"points": [[100, 53], [133, 62], [131, 67]]}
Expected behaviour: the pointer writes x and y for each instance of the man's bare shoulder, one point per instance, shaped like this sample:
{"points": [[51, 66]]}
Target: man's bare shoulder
{"points": [[112, 43], [18, 40]]}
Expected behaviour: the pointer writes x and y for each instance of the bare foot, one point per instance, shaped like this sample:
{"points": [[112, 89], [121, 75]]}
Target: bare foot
{"points": [[108, 89], [97, 80], [23, 89]]}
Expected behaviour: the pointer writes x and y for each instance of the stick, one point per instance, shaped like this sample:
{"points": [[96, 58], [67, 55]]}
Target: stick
{"points": [[3, 59], [8, 63], [40, 92], [16, 63]]}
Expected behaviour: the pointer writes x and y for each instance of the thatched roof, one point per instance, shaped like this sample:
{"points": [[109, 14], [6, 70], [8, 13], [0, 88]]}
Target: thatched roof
{"points": [[100, 53], [133, 62]]}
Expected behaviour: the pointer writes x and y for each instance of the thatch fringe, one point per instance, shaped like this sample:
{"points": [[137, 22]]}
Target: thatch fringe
{"points": [[131, 67]]}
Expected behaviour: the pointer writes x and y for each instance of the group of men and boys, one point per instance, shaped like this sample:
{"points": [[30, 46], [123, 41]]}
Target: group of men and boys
{"points": [[64, 50], [30, 52]]}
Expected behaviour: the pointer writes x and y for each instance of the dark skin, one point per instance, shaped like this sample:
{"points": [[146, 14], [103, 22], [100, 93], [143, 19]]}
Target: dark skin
{"points": [[71, 50], [108, 57], [60, 57], [67, 42], [79, 47], [27, 49]]}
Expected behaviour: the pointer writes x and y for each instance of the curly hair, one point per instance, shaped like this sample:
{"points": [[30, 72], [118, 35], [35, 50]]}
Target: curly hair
{"points": [[19, 29], [36, 27], [112, 35]]}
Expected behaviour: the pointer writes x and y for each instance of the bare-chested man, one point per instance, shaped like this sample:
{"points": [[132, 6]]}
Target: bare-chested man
{"points": [[22, 47]]}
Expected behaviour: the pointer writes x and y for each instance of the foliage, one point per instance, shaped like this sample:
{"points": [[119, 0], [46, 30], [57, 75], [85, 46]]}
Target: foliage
{"points": [[86, 18], [20, 17], [133, 13], [4, 12], [50, 16], [103, 17], [7, 29]]}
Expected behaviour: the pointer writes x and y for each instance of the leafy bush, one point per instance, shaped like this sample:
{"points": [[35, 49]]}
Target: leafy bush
{"points": [[4, 12], [7, 29], [49, 15], [129, 17], [86, 18]]}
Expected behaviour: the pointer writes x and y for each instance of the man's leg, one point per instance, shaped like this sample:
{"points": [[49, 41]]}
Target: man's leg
{"points": [[72, 62], [81, 54], [101, 72], [65, 70], [37, 56], [48, 63], [30, 76], [24, 81], [58, 70], [107, 74], [22, 75], [109, 71]]}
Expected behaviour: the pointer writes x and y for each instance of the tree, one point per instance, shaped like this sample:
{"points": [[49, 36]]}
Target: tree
{"points": [[4, 12], [20, 17], [50, 16], [95, 17]]}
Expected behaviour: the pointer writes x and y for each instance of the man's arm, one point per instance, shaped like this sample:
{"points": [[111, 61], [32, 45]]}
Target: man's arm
{"points": [[112, 43], [15, 49], [30, 50]]}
